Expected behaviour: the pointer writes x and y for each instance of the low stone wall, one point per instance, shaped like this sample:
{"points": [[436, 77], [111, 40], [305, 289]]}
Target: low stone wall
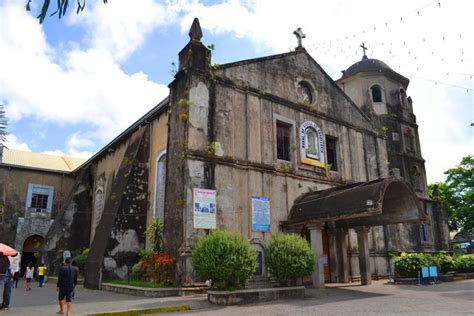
{"points": [[153, 292], [254, 295], [141, 291]]}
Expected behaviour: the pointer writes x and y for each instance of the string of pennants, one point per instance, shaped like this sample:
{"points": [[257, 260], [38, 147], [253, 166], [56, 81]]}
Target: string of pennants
{"points": [[413, 50]]}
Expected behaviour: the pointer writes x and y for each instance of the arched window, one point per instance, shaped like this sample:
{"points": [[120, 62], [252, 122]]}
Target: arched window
{"points": [[160, 182], [312, 143], [376, 92]]}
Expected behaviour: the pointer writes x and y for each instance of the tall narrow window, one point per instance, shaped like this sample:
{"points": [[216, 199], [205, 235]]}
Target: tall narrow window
{"points": [[331, 151], [409, 140], [424, 233], [376, 93], [403, 98], [160, 187], [283, 141]]}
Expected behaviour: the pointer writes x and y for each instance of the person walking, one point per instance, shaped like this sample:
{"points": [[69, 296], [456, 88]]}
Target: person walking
{"points": [[15, 266], [29, 275], [41, 274], [74, 265], [7, 279], [67, 280]]}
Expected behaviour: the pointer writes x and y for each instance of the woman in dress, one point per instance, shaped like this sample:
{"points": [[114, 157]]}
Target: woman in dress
{"points": [[29, 274]]}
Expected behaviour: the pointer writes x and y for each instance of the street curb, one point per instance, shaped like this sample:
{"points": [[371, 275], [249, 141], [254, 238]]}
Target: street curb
{"points": [[136, 312]]}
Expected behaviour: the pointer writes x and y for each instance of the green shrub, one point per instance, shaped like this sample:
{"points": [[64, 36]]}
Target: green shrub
{"points": [[80, 261], [464, 263], [138, 272], [154, 234], [408, 264], [159, 268], [289, 256], [143, 253], [444, 262], [225, 258]]}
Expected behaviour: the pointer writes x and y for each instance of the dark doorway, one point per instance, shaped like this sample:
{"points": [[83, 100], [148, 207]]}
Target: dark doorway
{"points": [[31, 246]]}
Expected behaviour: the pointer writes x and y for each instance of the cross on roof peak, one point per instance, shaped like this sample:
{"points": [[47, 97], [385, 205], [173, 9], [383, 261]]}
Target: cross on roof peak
{"points": [[299, 35], [363, 49]]}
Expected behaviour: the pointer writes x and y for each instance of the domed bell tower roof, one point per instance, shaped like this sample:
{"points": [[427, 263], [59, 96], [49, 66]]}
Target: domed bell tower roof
{"points": [[373, 66]]}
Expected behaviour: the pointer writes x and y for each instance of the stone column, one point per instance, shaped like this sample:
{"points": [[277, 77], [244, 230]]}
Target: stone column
{"points": [[343, 260], [316, 237], [333, 255], [364, 254]]}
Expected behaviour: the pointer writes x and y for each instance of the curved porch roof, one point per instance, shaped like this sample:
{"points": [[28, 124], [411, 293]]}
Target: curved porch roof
{"points": [[379, 202]]}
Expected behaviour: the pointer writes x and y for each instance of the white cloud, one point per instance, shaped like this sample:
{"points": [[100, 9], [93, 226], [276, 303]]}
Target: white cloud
{"points": [[121, 26], [88, 86], [12, 142]]}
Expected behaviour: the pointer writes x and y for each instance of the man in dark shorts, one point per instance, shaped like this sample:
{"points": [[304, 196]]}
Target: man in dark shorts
{"points": [[67, 280]]}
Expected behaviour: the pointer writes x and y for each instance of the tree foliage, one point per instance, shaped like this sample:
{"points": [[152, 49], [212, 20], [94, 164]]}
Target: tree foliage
{"points": [[61, 8], [457, 194]]}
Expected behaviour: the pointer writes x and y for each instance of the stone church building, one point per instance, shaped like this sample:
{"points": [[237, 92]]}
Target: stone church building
{"points": [[259, 146]]}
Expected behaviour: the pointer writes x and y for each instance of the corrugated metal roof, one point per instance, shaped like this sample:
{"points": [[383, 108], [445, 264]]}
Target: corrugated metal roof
{"points": [[40, 161]]}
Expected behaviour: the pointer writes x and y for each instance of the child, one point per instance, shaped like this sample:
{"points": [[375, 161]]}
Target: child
{"points": [[41, 274], [29, 274]]}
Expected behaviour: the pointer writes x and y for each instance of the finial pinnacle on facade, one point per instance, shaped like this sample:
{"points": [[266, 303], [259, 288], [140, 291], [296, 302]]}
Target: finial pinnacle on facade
{"points": [[195, 33]]}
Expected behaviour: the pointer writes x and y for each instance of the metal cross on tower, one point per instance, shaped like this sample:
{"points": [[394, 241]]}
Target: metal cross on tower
{"points": [[299, 35], [364, 49]]}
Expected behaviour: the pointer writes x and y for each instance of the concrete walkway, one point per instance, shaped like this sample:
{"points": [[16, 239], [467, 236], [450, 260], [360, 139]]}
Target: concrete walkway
{"points": [[43, 301], [453, 298]]}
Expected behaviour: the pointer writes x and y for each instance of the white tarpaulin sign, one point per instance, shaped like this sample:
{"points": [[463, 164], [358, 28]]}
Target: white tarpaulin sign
{"points": [[204, 203], [260, 213]]}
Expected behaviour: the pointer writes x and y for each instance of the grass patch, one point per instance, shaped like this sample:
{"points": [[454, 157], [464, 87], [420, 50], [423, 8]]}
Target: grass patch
{"points": [[139, 283], [158, 310]]}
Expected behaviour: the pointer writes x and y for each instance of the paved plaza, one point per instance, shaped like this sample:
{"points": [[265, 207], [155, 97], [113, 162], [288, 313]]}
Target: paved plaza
{"points": [[454, 298]]}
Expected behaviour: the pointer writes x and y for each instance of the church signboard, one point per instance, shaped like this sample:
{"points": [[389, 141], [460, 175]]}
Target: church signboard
{"points": [[312, 144], [204, 209], [260, 213]]}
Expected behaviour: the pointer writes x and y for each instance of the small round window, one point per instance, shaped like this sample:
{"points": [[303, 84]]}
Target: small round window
{"points": [[303, 93]]}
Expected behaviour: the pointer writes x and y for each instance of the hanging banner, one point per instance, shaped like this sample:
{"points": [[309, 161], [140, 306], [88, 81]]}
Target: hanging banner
{"points": [[260, 214], [204, 202]]}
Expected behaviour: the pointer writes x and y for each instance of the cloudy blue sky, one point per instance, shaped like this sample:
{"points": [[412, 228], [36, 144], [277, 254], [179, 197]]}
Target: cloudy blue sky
{"points": [[69, 86]]}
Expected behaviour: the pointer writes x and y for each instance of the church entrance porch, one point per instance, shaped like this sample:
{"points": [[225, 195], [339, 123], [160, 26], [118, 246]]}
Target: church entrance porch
{"points": [[355, 206], [31, 248]]}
